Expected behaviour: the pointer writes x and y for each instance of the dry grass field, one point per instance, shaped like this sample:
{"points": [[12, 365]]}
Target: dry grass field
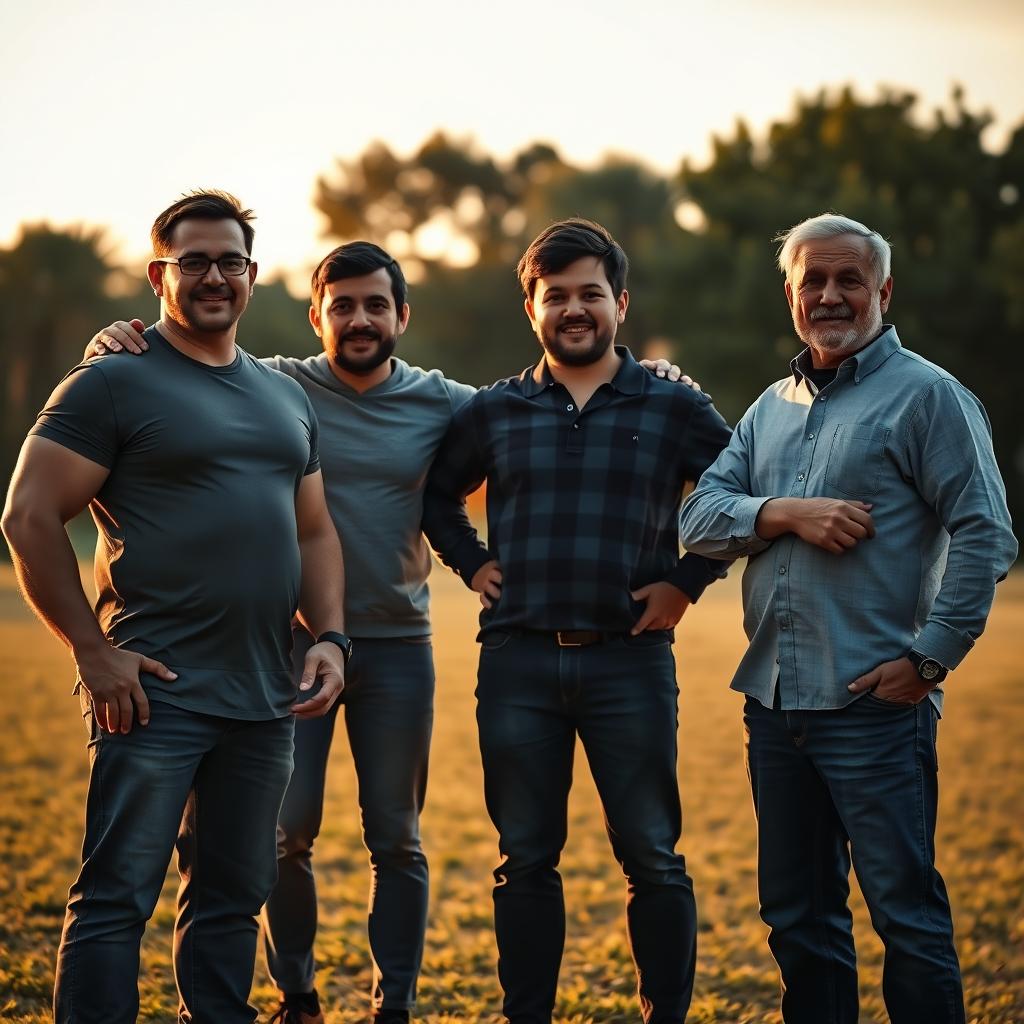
{"points": [[981, 840]]}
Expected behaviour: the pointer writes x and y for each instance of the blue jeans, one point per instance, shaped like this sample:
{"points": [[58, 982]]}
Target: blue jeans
{"points": [[212, 784], [533, 698], [857, 782], [388, 700]]}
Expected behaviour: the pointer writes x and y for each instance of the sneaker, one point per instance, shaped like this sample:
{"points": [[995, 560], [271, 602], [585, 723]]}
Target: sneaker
{"points": [[298, 1008]]}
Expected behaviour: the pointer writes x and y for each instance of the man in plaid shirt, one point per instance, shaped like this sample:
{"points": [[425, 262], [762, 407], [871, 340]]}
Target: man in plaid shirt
{"points": [[585, 456]]}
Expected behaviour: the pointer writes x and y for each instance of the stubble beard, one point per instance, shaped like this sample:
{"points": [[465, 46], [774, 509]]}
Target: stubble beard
{"points": [[567, 354], [185, 313], [839, 337]]}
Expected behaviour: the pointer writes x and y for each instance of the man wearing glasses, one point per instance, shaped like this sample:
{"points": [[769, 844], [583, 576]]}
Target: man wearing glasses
{"points": [[202, 474]]}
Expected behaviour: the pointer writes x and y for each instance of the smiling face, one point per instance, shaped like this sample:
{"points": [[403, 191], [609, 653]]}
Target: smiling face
{"points": [[213, 302], [575, 314], [835, 298], [358, 321]]}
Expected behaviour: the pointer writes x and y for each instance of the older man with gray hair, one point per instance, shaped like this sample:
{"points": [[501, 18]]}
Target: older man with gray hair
{"points": [[865, 493]]}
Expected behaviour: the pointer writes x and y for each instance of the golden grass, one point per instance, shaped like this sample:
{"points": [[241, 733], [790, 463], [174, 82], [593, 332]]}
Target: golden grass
{"points": [[981, 840]]}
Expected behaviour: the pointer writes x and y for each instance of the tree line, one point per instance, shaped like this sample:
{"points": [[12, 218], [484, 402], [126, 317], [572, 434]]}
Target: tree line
{"points": [[703, 284]]}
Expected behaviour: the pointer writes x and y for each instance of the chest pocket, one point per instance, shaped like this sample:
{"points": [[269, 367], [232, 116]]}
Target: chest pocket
{"points": [[856, 458]]}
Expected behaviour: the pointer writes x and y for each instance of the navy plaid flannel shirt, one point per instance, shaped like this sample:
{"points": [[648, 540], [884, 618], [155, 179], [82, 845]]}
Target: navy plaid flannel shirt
{"points": [[582, 506]]}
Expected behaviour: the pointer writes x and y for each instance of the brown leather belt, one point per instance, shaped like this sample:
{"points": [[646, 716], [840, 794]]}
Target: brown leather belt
{"points": [[579, 637]]}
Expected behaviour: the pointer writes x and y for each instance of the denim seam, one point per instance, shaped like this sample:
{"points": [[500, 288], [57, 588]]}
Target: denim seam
{"points": [[92, 891], [822, 931], [929, 874]]}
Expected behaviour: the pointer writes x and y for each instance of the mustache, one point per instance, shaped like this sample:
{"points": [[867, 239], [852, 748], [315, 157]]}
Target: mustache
{"points": [[367, 333], [211, 293], [840, 312], [580, 321]]}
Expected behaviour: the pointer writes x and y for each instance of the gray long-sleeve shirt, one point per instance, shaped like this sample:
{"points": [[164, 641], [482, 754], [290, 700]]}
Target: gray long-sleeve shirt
{"points": [[902, 434]]}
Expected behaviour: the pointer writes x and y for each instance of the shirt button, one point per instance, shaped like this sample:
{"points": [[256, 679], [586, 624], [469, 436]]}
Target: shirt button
{"points": [[568, 408], [810, 437], [782, 571], [575, 426], [799, 476], [783, 625], [821, 398]]}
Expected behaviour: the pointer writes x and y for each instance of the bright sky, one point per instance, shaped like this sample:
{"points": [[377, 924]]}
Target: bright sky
{"points": [[111, 110]]}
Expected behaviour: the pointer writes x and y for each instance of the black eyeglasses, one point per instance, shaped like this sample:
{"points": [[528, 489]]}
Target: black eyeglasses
{"points": [[198, 266]]}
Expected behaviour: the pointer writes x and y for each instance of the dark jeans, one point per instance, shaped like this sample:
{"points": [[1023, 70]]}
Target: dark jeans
{"points": [[388, 699], [533, 698], [215, 785], [858, 781]]}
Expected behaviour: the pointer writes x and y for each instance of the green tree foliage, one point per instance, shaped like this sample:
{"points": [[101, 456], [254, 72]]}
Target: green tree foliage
{"points": [[53, 292], [953, 209], [709, 295]]}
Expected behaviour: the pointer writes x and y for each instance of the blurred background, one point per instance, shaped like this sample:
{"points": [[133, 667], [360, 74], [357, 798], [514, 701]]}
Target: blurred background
{"points": [[451, 133]]}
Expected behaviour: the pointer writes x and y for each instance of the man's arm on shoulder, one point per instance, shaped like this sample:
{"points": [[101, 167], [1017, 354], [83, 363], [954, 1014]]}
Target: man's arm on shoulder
{"points": [[949, 448], [458, 470], [51, 485], [321, 596]]}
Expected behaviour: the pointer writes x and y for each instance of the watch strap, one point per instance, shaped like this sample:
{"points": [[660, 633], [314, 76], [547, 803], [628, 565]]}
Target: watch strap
{"points": [[341, 641]]}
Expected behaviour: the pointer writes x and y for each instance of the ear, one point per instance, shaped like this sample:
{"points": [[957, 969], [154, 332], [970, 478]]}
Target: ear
{"points": [[885, 294], [252, 276], [155, 273], [528, 306], [314, 320], [789, 293], [403, 319], [621, 306]]}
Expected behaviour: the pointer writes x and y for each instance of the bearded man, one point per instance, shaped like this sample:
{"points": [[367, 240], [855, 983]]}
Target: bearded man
{"points": [[586, 457], [864, 490]]}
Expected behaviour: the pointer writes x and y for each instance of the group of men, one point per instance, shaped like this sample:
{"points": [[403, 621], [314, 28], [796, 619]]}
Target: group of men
{"points": [[862, 487]]}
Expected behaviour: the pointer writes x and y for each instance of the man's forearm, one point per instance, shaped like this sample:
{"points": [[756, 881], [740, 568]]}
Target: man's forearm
{"points": [[47, 572], [322, 594]]}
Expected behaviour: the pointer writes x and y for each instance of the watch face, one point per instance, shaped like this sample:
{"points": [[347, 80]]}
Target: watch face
{"points": [[929, 670]]}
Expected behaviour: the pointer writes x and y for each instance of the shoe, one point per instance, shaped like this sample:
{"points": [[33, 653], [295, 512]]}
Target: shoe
{"points": [[298, 1008]]}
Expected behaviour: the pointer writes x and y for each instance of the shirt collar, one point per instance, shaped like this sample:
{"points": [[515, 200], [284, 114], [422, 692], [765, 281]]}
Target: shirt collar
{"points": [[629, 379], [866, 361]]}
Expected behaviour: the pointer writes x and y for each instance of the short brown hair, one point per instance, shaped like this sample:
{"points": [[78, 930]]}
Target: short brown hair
{"points": [[566, 241], [201, 204]]}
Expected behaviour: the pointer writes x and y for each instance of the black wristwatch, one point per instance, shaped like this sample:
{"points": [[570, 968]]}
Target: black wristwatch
{"points": [[930, 671], [342, 641]]}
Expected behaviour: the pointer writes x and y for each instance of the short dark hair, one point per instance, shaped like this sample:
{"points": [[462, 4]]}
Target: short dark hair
{"points": [[201, 204], [355, 259], [566, 241]]}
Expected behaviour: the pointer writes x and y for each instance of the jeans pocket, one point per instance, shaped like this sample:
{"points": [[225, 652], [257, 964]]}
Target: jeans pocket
{"points": [[417, 641], [88, 715], [856, 458], [494, 640], [890, 705]]}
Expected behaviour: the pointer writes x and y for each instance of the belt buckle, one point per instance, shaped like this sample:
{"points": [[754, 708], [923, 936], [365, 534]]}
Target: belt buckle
{"points": [[567, 643]]}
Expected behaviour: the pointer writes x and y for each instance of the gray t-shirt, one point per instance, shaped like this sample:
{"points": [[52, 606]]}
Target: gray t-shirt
{"points": [[197, 559], [375, 449]]}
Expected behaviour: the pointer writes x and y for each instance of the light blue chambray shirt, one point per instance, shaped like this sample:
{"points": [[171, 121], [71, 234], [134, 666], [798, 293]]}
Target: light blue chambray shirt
{"points": [[902, 434]]}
